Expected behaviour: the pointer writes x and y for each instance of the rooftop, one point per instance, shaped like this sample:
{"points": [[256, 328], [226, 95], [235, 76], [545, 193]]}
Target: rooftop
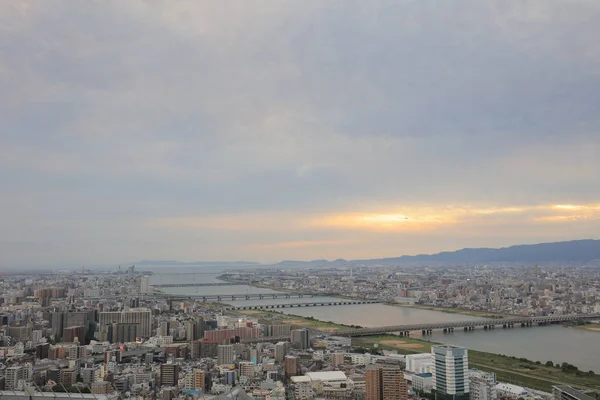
{"points": [[327, 376]]}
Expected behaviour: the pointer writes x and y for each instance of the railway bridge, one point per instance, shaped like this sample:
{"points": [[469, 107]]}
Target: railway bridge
{"points": [[425, 329], [314, 304]]}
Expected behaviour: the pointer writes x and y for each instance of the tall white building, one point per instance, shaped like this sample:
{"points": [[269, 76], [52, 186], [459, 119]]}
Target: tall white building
{"points": [[145, 284], [450, 372]]}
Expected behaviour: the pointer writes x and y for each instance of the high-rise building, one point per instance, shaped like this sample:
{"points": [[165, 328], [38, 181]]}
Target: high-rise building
{"points": [[300, 338], [277, 330], [450, 372], [169, 374], [145, 284], [225, 354], [125, 333], [281, 350], [481, 385], [385, 382], [291, 366], [227, 334], [73, 333], [163, 328], [57, 324], [190, 330], [141, 316]]}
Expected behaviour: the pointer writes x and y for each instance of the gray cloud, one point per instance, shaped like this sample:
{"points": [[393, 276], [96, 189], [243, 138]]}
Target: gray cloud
{"points": [[117, 113]]}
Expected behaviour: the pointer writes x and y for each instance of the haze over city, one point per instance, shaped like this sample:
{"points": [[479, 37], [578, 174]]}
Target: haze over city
{"points": [[270, 130]]}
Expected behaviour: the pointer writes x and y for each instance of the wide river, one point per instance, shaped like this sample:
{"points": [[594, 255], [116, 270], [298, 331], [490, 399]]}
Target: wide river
{"points": [[555, 343]]}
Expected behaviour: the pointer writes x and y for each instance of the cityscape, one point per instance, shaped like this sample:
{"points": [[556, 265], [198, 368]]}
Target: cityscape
{"points": [[299, 200], [146, 333]]}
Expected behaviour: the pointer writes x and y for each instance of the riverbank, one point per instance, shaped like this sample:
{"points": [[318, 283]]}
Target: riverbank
{"points": [[518, 371], [295, 320], [462, 311], [588, 327]]}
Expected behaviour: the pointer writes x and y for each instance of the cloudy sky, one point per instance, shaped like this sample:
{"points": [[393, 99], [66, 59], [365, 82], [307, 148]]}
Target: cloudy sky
{"points": [[269, 130]]}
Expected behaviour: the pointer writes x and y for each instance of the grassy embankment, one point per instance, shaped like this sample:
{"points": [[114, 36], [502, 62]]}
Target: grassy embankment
{"points": [[295, 320], [508, 369], [588, 327]]}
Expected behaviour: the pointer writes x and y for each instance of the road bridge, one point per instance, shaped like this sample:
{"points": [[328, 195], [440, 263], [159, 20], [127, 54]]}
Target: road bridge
{"points": [[467, 325], [313, 304], [221, 297], [175, 285]]}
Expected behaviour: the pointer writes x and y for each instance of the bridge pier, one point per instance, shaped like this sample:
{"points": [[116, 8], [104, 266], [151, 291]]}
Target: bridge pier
{"points": [[407, 333], [445, 330]]}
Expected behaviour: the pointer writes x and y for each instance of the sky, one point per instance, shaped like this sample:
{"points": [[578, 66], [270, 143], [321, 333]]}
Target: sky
{"points": [[270, 130]]}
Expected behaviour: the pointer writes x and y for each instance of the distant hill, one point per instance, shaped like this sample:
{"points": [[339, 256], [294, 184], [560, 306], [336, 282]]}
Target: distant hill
{"points": [[575, 251], [195, 263]]}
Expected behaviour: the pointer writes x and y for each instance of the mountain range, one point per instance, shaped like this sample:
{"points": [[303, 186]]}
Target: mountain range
{"points": [[569, 251]]}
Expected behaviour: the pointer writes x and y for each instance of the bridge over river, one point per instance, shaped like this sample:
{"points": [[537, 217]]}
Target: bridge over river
{"points": [[175, 285], [313, 304], [405, 330]]}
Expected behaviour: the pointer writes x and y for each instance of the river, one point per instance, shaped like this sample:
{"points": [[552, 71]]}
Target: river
{"points": [[547, 343]]}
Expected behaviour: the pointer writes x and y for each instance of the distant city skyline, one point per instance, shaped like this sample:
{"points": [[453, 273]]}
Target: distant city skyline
{"points": [[286, 130]]}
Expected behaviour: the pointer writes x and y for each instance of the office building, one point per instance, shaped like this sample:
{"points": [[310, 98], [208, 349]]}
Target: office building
{"points": [[564, 392], [450, 373], [169, 374], [481, 385], [300, 339], [225, 354], [145, 284], [385, 382]]}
